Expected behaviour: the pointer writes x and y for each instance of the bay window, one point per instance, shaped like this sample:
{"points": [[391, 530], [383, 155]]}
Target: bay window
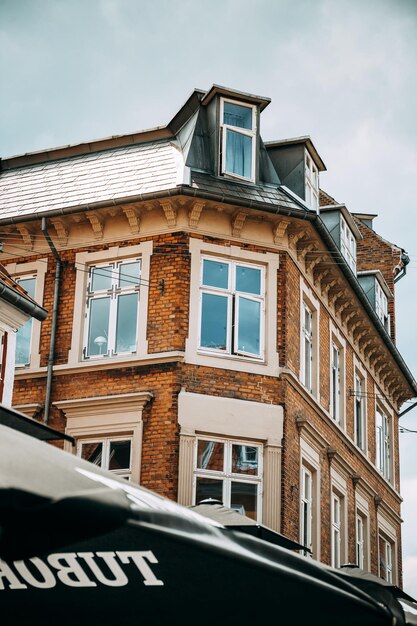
{"points": [[231, 472], [231, 308], [238, 139]]}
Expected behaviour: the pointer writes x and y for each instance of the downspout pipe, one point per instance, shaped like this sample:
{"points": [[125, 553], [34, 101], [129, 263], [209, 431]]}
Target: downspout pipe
{"points": [[58, 267]]}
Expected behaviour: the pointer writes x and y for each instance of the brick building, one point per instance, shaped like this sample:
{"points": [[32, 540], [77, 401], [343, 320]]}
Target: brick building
{"points": [[220, 327]]}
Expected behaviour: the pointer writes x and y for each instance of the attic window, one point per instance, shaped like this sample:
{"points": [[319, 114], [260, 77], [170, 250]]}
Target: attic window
{"points": [[381, 305], [238, 139], [312, 183], [347, 244]]}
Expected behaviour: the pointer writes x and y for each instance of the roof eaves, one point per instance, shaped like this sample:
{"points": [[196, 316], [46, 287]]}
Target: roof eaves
{"points": [[234, 93], [306, 140]]}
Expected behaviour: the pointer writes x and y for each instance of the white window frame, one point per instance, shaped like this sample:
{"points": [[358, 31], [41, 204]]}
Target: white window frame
{"points": [[347, 244], [311, 182], [383, 430], [306, 510], [336, 530], [83, 261], [113, 294], [337, 376], [381, 305], [37, 269], [242, 131], [107, 417], [338, 523], [233, 300], [105, 459], [268, 365], [227, 476], [309, 378], [362, 542], [387, 535], [359, 407], [307, 347], [310, 462]]}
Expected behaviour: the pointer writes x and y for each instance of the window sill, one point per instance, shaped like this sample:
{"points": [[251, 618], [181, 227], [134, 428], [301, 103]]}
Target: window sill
{"points": [[234, 362], [103, 364]]}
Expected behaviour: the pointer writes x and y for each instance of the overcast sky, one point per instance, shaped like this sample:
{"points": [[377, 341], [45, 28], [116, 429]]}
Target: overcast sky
{"points": [[342, 71]]}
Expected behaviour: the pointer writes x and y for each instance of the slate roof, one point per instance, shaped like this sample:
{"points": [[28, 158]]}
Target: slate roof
{"points": [[267, 194], [90, 178]]}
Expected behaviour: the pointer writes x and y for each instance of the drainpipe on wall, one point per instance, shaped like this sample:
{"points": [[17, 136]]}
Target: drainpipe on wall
{"points": [[58, 267], [405, 259]]}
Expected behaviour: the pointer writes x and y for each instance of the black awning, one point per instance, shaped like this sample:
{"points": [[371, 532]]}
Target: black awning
{"points": [[233, 520], [29, 426]]}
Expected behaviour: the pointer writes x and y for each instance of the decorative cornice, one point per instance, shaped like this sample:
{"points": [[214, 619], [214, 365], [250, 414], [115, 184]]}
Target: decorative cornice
{"points": [[238, 221], [195, 213]]}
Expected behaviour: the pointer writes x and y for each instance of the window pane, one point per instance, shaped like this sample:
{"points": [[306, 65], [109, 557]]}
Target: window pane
{"points": [[215, 274], [210, 455], [98, 331], [245, 459], [129, 274], [29, 285], [24, 333], [127, 315], [248, 280], [243, 499], [214, 322], [119, 457], [208, 488], [92, 452], [237, 115], [23, 337], [101, 278], [249, 325], [238, 154]]}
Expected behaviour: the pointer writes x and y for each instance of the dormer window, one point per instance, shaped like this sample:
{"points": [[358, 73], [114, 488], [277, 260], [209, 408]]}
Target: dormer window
{"points": [[347, 244], [238, 139], [312, 183], [381, 305]]}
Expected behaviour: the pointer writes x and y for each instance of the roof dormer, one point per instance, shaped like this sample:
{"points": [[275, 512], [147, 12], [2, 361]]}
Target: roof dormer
{"points": [[298, 164], [343, 230], [378, 294], [233, 129]]}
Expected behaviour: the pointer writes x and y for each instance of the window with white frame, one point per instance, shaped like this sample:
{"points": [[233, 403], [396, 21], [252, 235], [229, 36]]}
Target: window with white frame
{"points": [[360, 541], [386, 559], [238, 139], [24, 333], [231, 472], [31, 276], [347, 244], [359, 410], [335, 382], [306, 510], [381, 305], [312, 183], [336, 530], [307, 347], [110, 453], [232, 308], [383, 443], [112, 305]]}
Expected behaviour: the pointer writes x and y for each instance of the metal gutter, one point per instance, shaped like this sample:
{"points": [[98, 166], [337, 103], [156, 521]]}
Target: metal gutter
{"points": [[58, 267], [23, 304], [301, 213]]}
